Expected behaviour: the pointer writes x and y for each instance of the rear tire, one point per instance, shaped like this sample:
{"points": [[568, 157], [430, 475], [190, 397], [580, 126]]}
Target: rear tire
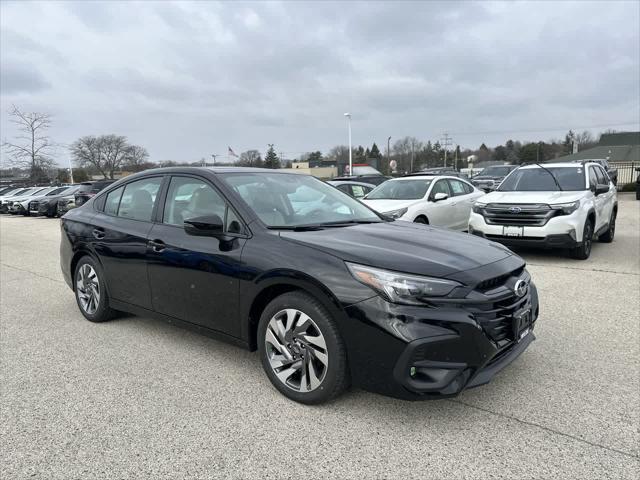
{"points": [[301, 350], [584, 251], [607, 237], [91, 291]]}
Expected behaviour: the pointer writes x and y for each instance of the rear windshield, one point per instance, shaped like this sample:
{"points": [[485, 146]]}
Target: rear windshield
{"points": [[400, 190], [542, 180], [496, 171]]}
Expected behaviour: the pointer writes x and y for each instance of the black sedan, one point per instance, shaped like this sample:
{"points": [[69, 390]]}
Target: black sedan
{"points": [[328, 291], [48, 205]]}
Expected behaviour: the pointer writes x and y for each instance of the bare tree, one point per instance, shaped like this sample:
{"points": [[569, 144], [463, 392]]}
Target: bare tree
{"points": [[106, 153], [250, 158], [32, 147], [137, 158]]}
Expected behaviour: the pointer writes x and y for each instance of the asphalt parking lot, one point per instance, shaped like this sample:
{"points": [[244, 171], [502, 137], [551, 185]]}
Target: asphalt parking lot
{"points": [[138, 398]]}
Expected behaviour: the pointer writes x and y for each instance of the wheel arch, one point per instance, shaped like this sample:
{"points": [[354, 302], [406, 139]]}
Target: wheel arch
{"points": [[423, 216], [77, 255], [277, 284]]}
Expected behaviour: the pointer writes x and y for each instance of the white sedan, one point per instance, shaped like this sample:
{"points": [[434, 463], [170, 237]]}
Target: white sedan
{"points": [[434, 199]]}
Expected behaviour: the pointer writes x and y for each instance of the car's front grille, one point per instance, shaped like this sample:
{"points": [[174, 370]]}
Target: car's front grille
{"points": [[496, 282], [517, 214], [496, 318]]}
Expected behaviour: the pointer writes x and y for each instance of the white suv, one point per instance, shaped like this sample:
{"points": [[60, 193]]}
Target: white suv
{"points": [[555, 205]]}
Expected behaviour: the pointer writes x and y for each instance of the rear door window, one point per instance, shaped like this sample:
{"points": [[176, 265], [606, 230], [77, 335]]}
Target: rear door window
{"points": [[358, 191], [457, 188], [113, 201], [138, 199]]}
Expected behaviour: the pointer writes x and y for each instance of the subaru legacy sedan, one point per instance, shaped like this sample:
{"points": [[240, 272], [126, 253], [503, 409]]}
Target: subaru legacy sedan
{"points": [[328, 291]]}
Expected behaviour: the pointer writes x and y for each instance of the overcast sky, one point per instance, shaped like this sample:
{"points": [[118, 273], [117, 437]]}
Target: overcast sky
{"points": [[189, 79]]}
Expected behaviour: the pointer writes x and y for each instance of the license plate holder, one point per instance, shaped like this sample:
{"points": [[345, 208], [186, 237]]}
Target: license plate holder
{"points": [[521, 324], [512, 231]]}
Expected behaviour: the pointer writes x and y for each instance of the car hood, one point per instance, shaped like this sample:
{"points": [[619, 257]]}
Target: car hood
{"points": [[384, 206], [21, 198], [532, 197], [404, 247]]}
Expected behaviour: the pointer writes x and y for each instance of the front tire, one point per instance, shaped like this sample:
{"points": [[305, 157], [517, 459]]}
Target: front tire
{"points": [[301, 350], [421, 219], [607, 237], [91, 292], [584, 251]]}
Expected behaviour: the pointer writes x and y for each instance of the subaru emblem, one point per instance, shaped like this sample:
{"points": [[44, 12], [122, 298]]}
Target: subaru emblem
{"points": [[515, 209], [520, 288]]}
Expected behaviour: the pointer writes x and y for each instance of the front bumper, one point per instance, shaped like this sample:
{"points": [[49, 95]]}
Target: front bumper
{"points": [[441, 350], [559, 232], [18, 209]]}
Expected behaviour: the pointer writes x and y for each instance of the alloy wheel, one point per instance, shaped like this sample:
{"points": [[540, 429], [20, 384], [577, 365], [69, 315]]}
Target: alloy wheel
{"points": [[88, 288], [587, 239], [296, 350]]}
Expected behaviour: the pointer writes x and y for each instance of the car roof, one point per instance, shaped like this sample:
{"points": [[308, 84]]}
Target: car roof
{"points": [[555, 165], [430, 176], [350, 182]]}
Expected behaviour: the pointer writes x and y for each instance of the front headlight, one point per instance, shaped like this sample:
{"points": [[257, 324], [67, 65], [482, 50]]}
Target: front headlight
{"points": [[477, 207], [401, 287], [396, 213], [567, 208]]}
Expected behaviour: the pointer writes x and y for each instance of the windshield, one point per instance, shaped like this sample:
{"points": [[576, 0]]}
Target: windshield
{"points": [[495, 171], [292, 200], [400, 190], [57, 191], [541, 180]]}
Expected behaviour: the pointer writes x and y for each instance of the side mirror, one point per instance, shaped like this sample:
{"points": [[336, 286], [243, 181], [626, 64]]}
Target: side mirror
{"points": [[601, 188], [204, 226], [440, 196]]}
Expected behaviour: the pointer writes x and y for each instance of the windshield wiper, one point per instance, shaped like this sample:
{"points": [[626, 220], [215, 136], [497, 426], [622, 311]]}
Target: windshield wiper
{"points": [[323, 225], [340, 223], [552, 176]]}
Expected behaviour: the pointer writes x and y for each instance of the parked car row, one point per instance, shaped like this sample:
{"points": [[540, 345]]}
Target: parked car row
{"points": [[49, 201]]}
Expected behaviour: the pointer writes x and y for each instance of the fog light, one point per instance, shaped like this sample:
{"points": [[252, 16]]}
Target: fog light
{"points": [[412, 371]]}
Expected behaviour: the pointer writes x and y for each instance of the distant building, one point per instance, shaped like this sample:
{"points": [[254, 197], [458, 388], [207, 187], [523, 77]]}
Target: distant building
{"points": [[614, 147]]}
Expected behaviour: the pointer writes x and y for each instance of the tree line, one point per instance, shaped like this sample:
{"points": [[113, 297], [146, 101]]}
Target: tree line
{"points": [[32, 150]]}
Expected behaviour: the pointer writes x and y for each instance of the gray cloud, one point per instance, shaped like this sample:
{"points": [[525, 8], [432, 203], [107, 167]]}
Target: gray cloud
{"points": [[20, 78], [189, 79]]}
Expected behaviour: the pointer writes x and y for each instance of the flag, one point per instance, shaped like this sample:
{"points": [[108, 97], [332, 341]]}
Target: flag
{"points": [[232, 153]]}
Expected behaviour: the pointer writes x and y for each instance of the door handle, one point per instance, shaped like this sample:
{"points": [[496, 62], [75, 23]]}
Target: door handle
{"points": [[98, 233], [157, 245]]}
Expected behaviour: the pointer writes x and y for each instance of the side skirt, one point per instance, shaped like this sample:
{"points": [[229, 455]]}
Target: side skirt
{"points": [[209, 332]]}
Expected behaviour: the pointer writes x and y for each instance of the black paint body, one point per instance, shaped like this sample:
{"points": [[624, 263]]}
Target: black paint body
{"points": [[219, 286]]}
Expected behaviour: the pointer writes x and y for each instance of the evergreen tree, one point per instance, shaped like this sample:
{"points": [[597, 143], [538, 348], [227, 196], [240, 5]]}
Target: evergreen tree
{"points": [[375, 152], [271, 160]]}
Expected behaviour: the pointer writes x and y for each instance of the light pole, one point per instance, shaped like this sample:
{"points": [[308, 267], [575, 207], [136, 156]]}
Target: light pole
{"points": [[70, 171], [214, 155], [348, 115], [389, 152]]}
